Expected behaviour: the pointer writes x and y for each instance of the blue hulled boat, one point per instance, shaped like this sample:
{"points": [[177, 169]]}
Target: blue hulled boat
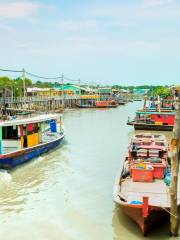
{"points": [[27, 138]]}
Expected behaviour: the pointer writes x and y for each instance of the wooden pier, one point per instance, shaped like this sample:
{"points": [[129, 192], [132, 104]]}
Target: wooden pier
{"points": [[42, 104]]}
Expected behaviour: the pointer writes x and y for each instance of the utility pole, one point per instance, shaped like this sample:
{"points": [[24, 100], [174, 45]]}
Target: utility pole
{"points": [[24, 84], [159, 104], [175, 155], [62, 83], [79, 83], [145, 100]]}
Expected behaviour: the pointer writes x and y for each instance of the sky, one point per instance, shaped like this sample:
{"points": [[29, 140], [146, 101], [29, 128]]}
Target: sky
{"points": [[125, 42]]}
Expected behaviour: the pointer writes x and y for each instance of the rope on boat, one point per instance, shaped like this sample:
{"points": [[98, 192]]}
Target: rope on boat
{"points": [[170, 213]]}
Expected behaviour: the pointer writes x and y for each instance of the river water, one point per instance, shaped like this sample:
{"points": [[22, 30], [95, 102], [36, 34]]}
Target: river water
{"points": [[67, 194]]}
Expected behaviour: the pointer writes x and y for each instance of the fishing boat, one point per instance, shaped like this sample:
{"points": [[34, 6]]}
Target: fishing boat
{"points": [[22, 139], [99, 104], [153, 120], [142, 185], [121, 101]]}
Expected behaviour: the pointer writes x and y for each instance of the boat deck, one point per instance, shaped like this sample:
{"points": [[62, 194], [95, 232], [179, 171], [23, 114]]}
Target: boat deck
{"points": [[9, 146], [157, 192]]}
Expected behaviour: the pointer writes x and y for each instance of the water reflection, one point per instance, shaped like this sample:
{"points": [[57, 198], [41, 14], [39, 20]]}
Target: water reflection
{"points": [[16, 185], [123, 226]]}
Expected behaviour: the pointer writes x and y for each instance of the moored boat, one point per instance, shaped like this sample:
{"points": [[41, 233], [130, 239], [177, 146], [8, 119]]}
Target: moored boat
{"points": [[100, 104], [27, 138], [142, 185], [150, 120]]}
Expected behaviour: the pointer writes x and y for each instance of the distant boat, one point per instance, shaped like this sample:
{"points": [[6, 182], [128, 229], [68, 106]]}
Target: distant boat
{"points": [[27, 138], [99, 104], [121, 101], [137, 99], [142, 185]]}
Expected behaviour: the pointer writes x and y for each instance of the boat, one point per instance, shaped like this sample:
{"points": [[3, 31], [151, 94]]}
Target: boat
{"points": [[153, 120], [121, 102], [99, 104], [138, 99], [141, 187], [22, 139]]}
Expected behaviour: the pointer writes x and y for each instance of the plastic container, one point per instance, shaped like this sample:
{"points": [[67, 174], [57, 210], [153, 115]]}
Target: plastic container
{"points": [[142, 175], [159, 171], [53, 126]]}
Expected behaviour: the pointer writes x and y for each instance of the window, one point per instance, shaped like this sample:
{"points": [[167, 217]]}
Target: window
{"points": [[10, 132]]}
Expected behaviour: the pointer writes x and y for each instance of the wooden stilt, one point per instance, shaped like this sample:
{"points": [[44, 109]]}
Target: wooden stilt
{"points": [[175, 154]]}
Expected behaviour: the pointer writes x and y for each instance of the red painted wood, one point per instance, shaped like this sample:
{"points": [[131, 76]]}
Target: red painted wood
{"points": [[145, 207], [164, 118]]}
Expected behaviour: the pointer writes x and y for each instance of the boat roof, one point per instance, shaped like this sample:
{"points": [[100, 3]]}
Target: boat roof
{"points": [[149, 141], [156, 113], [29, 120]]}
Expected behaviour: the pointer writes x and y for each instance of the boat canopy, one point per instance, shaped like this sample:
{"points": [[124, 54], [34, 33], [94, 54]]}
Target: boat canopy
{"points": [[158, 113], [25, 121]]}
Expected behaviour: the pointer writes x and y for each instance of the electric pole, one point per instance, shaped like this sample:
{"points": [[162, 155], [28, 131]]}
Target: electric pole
{"points": [[24, 84], [62, 83]]}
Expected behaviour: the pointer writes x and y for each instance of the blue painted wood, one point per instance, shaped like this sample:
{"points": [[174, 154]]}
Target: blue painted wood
{"points": [[27, 154]]}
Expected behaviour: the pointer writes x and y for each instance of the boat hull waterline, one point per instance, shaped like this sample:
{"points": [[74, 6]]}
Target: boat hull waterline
{"points": [[155, 214], [91, 106], [12, 160], [144, 126]]}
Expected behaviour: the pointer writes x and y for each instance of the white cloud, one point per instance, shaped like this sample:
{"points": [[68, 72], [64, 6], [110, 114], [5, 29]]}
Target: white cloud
{"points": [[77, 25], [6, 28], [18, 9], [152, 10], [157, 3]]}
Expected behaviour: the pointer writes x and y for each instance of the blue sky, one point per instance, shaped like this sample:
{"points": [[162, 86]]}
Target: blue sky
{"points": [[111, 42]]}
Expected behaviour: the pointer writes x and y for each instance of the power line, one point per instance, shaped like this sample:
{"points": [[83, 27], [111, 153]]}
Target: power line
{"points": [[68, 79], [42, 77], [10, 70]]}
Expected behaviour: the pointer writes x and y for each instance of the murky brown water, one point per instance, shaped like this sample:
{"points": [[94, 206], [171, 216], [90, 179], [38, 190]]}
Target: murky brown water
{"points": [[67, 195]]}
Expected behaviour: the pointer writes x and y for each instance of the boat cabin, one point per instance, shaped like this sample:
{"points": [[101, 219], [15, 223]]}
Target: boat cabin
{"points": [[157, 118], [17, 134]]}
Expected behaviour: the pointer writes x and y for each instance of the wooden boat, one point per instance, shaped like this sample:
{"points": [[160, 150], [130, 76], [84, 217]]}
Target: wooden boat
{"points": [[150, 120], [26, 138], [121, 102], [142, 185], [100, 104]]}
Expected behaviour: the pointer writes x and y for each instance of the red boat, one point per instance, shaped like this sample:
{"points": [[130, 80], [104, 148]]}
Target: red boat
{"points": [[142, 185], [153, 120], [100, 104]]}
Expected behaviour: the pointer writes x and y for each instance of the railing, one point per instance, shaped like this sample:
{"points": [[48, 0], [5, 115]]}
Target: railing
{"points": [[31, 99]]}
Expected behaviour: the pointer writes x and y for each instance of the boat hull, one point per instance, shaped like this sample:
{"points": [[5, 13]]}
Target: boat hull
{"points": [[14, 159], [143, 126], [89, 106], [145, 224]]}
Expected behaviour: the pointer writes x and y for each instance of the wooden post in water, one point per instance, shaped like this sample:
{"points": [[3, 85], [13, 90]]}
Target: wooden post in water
{"points": [[175, 155]]}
